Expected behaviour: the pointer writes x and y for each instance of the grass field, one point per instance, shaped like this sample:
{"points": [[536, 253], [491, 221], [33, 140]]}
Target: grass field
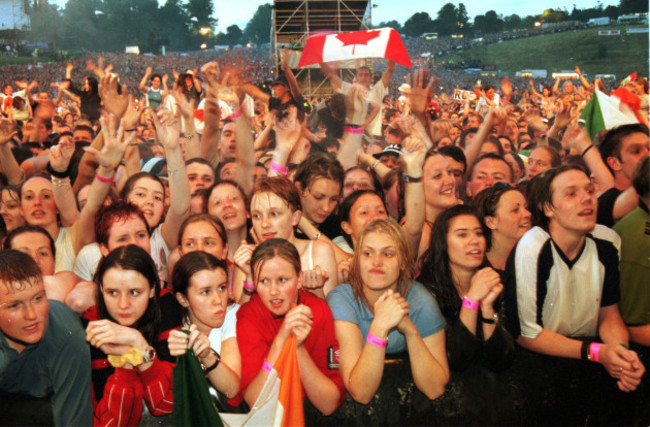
{"points": [[21, 60], [620, 55]]}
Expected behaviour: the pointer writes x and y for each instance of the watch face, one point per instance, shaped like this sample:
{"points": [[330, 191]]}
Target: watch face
{"points": [[150, 354]]}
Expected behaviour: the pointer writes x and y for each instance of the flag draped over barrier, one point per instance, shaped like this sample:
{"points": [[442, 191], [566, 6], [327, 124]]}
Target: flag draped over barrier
{"points": [[280, 402], [377, 43]]}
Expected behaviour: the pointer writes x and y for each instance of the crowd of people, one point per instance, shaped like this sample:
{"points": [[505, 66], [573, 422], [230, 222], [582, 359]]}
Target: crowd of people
{"points": [[151, 205]]}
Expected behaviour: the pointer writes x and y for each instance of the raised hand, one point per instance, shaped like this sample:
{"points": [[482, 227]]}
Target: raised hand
{"points": [[506, 87], [114, 147], [287, 130], [61, 154], [211, 73], [45, 110], [114, 103], [167, 128], [440, 128], [131, 115], [421, 90], [98, 68], [7, 131], [356, 104], [413, 153], [184, 106], [575, 137]]}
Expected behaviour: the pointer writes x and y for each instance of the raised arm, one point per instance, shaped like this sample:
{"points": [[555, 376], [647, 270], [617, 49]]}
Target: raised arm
{"points": [[494, 116], [388, 74], [143, 83], [167, 130], [163, 85], [584, 80], [335, 80], [576, 138], [291, 79], [109, 158], [356, 111], [60, 156], [192, 145], [212, 113], [413, 156], [10, 166], [287, 135]]}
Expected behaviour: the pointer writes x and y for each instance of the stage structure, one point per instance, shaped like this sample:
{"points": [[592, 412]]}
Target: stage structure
{"points": [[295, 20]]}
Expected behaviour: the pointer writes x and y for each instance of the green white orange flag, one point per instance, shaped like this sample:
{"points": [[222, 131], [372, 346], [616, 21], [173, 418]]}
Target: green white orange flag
{"points": [[605, 112], [279, 404], [289, 410]]}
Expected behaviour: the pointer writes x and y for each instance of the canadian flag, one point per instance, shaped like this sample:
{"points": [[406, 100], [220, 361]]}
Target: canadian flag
{"points": [[378, 43]]}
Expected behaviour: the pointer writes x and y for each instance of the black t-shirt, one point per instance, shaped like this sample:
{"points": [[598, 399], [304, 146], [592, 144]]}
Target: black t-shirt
{"points": [[606, 207]]}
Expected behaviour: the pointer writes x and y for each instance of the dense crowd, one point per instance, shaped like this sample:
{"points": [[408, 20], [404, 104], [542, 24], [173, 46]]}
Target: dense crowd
{"points": [[150, 205]]}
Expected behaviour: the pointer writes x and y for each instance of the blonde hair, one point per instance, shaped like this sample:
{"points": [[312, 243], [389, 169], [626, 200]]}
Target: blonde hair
{"points": [[406, 261]]}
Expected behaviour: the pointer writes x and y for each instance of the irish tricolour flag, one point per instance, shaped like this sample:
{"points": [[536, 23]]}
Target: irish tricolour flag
{"points": [[280, 401], [378, 43], [606, 112]]}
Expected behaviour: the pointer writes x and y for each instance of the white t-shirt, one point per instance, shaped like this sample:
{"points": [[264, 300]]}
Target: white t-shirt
{"points": [[227, 330], [89, 256], [65, 255], [376, 95]]}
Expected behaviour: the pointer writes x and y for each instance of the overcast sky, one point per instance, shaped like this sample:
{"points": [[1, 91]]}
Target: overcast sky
{"points": [[240, 11]]}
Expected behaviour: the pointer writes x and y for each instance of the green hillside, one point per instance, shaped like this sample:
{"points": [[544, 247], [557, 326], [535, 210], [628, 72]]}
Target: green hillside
{"points": [[620, 55]]}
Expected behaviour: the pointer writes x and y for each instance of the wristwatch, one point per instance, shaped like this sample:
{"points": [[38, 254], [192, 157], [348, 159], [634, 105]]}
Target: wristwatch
{"points": [[149, 354], [208, 369], [490, 321], [409, 179]]}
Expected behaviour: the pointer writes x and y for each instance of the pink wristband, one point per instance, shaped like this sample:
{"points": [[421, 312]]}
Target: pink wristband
{"points": [[350, 129], [236, 114], [378, 342], [267, 367], [594, 351], [104, 180], [279, 168], [468, 303], [249, 286]]}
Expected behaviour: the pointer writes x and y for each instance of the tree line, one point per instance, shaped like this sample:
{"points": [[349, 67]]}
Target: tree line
{"points": [[183, 25], [452, 19]]}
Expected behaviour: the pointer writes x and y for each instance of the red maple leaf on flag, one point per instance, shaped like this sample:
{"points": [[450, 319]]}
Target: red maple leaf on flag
{"points": [[357, 37]]}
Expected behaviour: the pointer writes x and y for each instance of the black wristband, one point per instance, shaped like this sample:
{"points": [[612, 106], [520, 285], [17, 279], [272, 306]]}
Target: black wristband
{"points": [[52, 172], [587, 149], [584, 350], [409, 179]]}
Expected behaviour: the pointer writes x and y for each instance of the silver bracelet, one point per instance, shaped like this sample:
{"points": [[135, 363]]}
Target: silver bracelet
{"points": [[60, 182], [173, 171]]}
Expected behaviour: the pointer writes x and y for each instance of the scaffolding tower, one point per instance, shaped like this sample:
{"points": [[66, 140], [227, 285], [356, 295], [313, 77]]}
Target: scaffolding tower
{"points": [[295, 20]]}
